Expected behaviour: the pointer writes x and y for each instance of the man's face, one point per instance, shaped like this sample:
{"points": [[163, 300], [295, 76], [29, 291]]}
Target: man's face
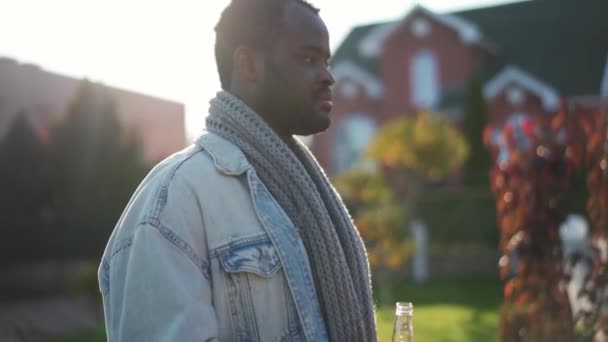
{"points": [[295, 93]]}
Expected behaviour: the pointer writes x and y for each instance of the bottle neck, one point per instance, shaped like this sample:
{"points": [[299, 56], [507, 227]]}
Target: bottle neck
{"points": [[403, 330], [404, 309]]}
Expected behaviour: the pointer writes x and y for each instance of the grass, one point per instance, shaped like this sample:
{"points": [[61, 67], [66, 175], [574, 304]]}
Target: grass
{"points": [[444, 311], [96, 334]]}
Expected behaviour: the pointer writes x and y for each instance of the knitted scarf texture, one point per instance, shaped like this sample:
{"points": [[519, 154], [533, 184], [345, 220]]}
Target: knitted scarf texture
{"points": [[336, 252]]}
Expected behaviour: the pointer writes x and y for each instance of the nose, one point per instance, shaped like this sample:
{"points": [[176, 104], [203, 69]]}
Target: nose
{"points": [[326, 78]]}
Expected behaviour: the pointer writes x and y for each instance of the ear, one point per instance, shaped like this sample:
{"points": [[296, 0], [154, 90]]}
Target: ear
{"points": [[248, 64]]}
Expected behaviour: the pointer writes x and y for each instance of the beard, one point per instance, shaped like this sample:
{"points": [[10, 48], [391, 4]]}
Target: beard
{"points": [[288, 109]]}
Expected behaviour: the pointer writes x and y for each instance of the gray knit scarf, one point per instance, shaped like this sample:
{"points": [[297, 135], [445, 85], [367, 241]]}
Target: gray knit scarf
{"points": [[335, 249]]}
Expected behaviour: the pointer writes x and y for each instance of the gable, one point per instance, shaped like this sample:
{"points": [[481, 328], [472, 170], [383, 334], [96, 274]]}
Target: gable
{"points": [[561, 42], [513, 75], [371, 44]]}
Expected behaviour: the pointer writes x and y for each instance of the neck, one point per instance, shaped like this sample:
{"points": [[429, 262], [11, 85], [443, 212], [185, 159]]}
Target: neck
{"points": [[265, 113]]}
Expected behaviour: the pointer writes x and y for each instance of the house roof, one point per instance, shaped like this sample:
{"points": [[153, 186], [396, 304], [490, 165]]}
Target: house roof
{"points": [[563, 43], [548, 95], [349, 49]]}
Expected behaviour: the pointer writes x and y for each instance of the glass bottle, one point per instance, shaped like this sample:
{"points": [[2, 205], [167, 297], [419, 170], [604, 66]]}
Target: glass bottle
{"points": [[404, 325]]}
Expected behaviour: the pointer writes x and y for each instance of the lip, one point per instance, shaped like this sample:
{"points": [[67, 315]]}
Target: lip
{"points": [[325, 96], [326, 105], [325, 101]]}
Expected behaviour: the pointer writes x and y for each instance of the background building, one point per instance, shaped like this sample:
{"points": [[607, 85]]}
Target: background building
{"points": [[44, 96], [527, 55]]}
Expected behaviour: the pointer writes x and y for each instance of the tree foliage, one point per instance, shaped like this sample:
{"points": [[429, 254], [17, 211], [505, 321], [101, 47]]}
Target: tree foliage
{"points": [[61, 199], [425, 144], [379, 217], [532, 180], [587, 138], [410, 150], [95, 165], [478, 164], [25, 191]]}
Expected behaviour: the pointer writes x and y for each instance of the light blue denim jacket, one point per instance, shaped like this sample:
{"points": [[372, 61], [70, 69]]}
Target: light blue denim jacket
{"points": [[203, 252]]}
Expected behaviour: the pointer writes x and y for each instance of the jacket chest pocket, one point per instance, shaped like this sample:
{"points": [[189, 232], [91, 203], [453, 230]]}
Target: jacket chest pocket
{"points": [[256, 292], [257, 258]]}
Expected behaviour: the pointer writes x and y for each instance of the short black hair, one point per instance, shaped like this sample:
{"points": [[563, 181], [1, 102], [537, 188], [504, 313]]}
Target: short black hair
{"points": [[253, 23]]}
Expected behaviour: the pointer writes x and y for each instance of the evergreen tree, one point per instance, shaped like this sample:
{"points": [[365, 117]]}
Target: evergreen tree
{"points": [[95, 167], [476, 115], [24, 196]]}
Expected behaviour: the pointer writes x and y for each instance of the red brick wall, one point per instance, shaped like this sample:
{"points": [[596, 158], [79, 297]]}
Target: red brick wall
{"points": [[455, 60], [456, 63], [501, 109], [322, 146]]}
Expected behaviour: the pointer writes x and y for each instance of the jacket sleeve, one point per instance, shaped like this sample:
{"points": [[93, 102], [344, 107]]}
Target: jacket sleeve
{"points": [[160, 291]]}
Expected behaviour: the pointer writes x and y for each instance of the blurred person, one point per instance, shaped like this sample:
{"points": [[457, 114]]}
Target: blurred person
{"points": [[241, 236]]}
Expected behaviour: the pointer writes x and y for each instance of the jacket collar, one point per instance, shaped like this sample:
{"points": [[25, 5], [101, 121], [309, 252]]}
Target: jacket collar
{"points": [[227, 157]]}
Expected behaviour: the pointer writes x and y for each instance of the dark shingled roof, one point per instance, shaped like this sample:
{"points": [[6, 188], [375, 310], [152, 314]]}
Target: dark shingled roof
{"points": [[564, 43], [349, 49]]}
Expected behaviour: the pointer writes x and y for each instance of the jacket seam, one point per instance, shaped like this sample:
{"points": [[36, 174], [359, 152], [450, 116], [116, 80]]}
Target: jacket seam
{"points": [[105, 276], [252, 240], [154, 218], [175, 240], [123, 245], [218, 162], [185, 248]]}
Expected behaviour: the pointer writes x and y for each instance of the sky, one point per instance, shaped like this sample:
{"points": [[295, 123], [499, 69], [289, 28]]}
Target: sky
{"points": [[162, 48]]}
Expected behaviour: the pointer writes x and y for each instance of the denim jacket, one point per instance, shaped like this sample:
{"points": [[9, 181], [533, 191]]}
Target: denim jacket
{"points": [[203, 252]]}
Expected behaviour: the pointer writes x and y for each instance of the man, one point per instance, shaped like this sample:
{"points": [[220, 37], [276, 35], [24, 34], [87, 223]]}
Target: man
{"points": [[240, 237]]}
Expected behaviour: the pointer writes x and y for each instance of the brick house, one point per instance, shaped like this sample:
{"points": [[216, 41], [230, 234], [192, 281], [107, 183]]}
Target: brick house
{"points": [[528, 55], [44, 96]]}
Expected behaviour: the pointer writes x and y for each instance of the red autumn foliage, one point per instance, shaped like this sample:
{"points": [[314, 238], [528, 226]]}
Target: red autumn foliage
{"points": [[530, 182], [535, 161], [588, 130]]}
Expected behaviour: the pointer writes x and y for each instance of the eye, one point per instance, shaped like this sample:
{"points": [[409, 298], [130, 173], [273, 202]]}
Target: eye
{"points": [[309, 59]]}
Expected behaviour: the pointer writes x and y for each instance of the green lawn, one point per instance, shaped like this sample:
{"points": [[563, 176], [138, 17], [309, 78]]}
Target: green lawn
{"points": [[449, 310], [97, 334], [444, 311]]}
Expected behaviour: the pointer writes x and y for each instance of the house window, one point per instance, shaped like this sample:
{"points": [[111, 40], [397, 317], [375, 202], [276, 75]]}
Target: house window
{"points": [[424, 80], [353, 136], [421, 28], [516, 96]]}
